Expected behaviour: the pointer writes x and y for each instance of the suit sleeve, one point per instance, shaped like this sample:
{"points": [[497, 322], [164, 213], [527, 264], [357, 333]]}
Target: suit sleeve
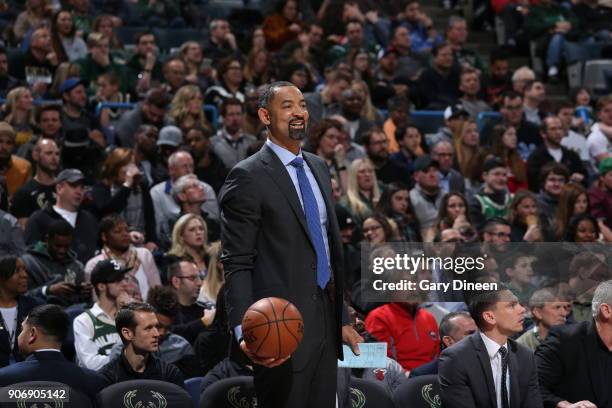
{"points": [[550, 368], [455, 388], [240, 218], [533, 399]]}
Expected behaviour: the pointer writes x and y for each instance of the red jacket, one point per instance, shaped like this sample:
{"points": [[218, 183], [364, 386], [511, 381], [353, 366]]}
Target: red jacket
{"points": [[601, 204], [411, 340]]}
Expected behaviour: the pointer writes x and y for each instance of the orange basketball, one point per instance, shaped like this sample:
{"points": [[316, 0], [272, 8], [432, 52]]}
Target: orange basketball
{"points": [[272, 328]]}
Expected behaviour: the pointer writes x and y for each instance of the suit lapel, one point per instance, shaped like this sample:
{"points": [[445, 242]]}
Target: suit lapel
{"points": [[589, 344], [278, 173], [485, 363], [513, 370]]}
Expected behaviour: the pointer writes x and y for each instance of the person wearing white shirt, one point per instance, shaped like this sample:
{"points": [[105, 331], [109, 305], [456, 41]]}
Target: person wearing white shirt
{"points": [[488, 368], [94, 330]]}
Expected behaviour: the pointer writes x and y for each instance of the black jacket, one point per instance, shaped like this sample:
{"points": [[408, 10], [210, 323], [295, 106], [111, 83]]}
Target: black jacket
{"points": [[84, 240], [24, 305], [103, 203], [119, 370], [466, 377], [43, 270], [52, 366], [540, 157], [570, 367]]}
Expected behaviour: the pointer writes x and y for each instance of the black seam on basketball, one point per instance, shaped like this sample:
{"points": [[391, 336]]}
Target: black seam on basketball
{"points": [[277, 329], [272, 321], [262, 341], [289, 331]]}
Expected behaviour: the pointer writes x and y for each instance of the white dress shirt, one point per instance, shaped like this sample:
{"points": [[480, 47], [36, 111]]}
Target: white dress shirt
{"points": [[496, 367]]}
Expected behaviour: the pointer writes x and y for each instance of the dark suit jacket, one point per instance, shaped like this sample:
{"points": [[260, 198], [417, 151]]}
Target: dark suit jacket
{"points": [[52, 366], [569, 367], [540, 157], [430, 368], [466, 378], [266, 246], [24, 305]]}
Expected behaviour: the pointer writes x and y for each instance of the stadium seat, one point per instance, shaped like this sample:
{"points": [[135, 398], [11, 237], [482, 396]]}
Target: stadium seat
{"points": [[144, 393], [418, 392], [484, 118], [366, 394], [75, 399], [192, 385], [428, 121], [126, 34], [595, 75], [173, 38], [230, 393]]}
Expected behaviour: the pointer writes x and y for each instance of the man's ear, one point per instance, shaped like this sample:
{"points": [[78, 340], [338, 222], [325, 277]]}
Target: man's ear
{"points": [[264, 116], [127, 334], [32, 334], [489, 317]]}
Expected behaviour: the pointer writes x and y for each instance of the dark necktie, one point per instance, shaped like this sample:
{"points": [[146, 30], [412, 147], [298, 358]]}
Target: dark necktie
{"points": [[311, 210], [504, 390]]}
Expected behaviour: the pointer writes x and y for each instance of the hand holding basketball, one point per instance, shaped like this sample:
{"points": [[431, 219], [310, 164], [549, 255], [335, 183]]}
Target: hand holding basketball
{"points": [[272, 329]]}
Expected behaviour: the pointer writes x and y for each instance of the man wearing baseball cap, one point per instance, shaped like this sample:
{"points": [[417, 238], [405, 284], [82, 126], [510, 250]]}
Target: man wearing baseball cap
{"points": [[69, 195], [454, 116], [426, 196], [74, 114], [94, 329], [600, 195]]}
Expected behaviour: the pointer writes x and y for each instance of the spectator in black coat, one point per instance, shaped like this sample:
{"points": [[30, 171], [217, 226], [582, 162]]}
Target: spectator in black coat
{"points": [[552, 132], [41, 338], [69, 195], [439, 84], [137, 327], [14, 306]]}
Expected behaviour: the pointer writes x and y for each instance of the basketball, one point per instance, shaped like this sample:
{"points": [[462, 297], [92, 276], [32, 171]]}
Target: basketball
{"points": [[272, 328]]}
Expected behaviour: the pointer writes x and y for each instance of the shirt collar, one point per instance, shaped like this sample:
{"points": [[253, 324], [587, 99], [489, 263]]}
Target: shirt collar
{"points": [[96, 310], [283, 154], [492, 347]]}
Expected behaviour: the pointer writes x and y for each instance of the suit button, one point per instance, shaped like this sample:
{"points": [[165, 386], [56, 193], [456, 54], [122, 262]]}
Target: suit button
{"points": [[314, 297]]}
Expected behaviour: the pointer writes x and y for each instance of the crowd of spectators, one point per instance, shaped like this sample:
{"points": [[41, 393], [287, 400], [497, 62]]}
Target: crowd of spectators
{"points": [[105, 207]]}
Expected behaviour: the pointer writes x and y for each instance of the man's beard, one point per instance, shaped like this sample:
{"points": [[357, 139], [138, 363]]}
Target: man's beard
{"points": [[296, 133]]}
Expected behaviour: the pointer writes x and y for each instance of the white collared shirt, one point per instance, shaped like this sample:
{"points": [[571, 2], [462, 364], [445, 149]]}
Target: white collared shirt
{"points": [[496, 367]]}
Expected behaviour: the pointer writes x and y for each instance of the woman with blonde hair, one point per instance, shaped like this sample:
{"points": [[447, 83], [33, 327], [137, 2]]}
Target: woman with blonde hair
{"points": [[36, 14], [469, 156], [19, 110], [189, 240], [214, 279], [187, 110], [368, 111], [121, 189], [257, 68], [363, 192], [105, 24]]}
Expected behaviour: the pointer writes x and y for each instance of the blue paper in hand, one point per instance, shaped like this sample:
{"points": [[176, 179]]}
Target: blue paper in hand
{"points": [[373, 355]]}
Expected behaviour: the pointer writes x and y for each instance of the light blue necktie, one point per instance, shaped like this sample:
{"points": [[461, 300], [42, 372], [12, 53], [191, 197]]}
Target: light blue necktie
{"points": [[311, 210]]}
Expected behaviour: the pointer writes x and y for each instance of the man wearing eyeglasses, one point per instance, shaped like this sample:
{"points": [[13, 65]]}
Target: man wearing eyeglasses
{"points": [[192, 318]]}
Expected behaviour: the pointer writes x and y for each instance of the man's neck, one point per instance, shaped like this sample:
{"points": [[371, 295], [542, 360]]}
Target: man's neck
{"points": [[137, 361], [4, 164], [531, 104], [72, 111], [65, 208], [604, 330], [44, 178], [469, 98], [233, 135], [292, 145], [378, 162], [185, 301], [496, 336], [429, 190], [441, 70], [542, 331], [191, 208], [489, 190], [551, 146], [204, 161], [117, 252], [108, 306]]}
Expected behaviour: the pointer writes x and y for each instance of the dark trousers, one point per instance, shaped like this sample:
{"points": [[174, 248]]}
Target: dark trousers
{"points": [[314, 385]]}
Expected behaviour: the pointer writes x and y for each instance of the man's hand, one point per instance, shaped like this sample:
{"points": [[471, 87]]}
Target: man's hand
{"points": [[351, 338], [61, 289], [577, 178], [123, 299], [86, 288], [267, 362], [581, 404], [98, 137]]}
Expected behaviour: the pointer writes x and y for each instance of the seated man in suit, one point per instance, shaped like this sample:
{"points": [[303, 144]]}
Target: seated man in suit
{"points": [[488, 368], [41, 337], [453, 328], [575, 361]]}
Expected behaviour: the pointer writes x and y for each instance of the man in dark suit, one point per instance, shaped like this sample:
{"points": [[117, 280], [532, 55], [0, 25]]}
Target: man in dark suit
{"points": [[454, 327], [575, 361], [488, 369], [280, 238], [40, 339]]}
